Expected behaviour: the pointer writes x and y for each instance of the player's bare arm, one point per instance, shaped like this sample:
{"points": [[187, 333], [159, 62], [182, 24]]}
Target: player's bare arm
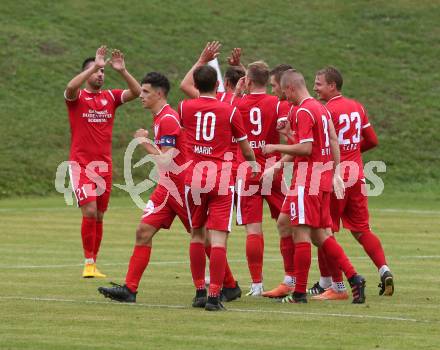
{"points": [[249, 155], [163, 156], [283, 128], [142, 136], [299, 149], [338, 183], [118, 64], [274, 169], [75, 84], [211, 51]]}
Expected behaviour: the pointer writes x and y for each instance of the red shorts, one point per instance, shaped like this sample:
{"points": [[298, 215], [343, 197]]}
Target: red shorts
{"points": [[250, 208], [213, 210], [353, 209], [162, 208], [310, 210], [89, 187], [285, 208]]}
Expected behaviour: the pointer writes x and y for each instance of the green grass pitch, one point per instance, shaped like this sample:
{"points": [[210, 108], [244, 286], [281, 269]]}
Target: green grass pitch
{"points": [[45, 304]]}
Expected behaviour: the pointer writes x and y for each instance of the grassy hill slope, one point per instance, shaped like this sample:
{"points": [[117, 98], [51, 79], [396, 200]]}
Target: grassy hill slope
{"points": [[387, 52]]}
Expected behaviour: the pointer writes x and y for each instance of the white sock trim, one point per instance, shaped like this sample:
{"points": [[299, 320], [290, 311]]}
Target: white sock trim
{"points": [[325, 282], [289, 280], [383, 269]]}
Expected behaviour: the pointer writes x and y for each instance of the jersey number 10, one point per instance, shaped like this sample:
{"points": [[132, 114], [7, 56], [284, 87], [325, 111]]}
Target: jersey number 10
{"points": [[207, 131]]}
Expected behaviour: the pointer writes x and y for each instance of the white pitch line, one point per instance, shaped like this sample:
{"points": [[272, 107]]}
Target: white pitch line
{"points": [[180, 262], [183, 307]]}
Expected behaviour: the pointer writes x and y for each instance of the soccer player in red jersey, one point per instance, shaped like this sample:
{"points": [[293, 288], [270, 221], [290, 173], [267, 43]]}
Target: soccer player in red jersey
{"points": [[287, 246], [355, 135], [316, 155], [231, 290], [261, 113], [209, 191], [167, 199], [91, 115]]}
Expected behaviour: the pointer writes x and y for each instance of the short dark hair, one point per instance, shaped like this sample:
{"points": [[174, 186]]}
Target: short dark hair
{"points": [[234, 73], [278, 71], [158, 81], [205, 78], [87, 61], [332, 75]]}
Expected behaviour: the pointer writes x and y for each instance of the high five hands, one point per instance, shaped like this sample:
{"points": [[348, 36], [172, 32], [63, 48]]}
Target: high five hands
{"points": [[116, 61]]}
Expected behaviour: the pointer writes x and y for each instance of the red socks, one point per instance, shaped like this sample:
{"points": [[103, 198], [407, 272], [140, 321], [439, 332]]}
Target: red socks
{"points": [[217, 264], [373, 248], [333, 267], [197, 263], [334, 251], [322, 262], [88, 229], [287, 249], [98, 238], [138, 263], [303, 259], [254, 255], [91, 234], [229, 280]]}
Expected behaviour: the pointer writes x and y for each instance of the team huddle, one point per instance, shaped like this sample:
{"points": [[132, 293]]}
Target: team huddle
{"points": [[233, 149]]}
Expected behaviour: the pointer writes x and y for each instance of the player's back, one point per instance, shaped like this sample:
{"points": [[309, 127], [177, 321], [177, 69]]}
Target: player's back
{"points": [[208, 129], [260, 113], [349, 118]]}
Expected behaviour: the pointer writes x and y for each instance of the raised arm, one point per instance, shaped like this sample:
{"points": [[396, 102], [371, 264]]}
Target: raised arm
{"points": [[235, 58], [118, 64], [211, 51], [75, 84]]}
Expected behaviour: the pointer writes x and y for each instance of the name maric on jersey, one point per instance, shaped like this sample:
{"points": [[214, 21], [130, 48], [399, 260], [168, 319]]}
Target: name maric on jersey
{"points": [[97, 116], [202, 149]]}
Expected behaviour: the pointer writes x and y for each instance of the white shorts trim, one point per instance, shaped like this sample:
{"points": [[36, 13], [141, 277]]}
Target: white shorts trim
{"points": [[72, 184], [232, 209], [301, 214], [187, 189], [239, 216]]}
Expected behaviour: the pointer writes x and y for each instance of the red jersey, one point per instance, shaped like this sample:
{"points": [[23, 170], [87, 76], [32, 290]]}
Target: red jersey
{"points": [[91, 117], [210, 126], [168, 132], [227, 97], [349, 118], [311, 125], [260, 113]]}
